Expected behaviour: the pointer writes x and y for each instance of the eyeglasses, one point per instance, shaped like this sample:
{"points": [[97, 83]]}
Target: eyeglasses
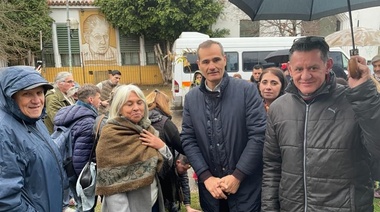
{"points": [[69, 81]]}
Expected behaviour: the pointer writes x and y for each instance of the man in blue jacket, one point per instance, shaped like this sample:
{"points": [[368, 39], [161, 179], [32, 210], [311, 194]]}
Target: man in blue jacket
{"points": [[30, 167], [84, 113], [223, 134]]}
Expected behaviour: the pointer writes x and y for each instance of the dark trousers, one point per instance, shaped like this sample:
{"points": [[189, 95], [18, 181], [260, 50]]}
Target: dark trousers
{"points": [[155, 207], [223, 206]]}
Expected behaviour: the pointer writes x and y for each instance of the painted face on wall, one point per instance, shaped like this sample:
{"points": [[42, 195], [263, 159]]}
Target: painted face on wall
{"points": [[98, 39]]}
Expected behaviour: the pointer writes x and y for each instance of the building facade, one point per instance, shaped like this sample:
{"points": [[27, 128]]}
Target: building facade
{"points": [[95, 47]]}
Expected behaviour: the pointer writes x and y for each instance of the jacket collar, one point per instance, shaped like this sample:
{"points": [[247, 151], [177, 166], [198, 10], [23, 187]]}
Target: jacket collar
{"points": [[222, 85]]}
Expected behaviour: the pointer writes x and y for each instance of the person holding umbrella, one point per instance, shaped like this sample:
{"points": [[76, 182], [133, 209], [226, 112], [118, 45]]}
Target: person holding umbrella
{"points": [[321, 137]]}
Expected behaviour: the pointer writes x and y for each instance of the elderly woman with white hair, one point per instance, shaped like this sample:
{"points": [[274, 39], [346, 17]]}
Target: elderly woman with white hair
{"points": [[130, 155]]}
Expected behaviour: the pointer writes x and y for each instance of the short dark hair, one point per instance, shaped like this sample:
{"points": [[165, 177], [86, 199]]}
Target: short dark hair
{"points": [[114, 72], [207, 44], [86, 91], [183, 159], [309, 43], [258, 66]]}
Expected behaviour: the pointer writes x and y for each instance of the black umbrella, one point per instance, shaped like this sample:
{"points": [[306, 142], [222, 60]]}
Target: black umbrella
{"points": [[279, 56], [306, 10]]}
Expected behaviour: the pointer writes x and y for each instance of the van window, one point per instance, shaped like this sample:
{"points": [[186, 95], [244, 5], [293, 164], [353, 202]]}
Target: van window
{"points": [[339, 59], [192, 59], [232, 64], [251, 59]]}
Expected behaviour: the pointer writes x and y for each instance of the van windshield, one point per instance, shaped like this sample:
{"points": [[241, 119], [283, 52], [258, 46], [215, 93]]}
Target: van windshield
{"points": [[339, 59]]}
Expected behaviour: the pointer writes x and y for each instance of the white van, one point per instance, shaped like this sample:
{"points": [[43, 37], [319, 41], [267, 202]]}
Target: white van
{"points": [[242, 54]]}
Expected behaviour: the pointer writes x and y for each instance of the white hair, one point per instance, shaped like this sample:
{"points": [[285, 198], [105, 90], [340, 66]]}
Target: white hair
{"points": [[121, 96]]}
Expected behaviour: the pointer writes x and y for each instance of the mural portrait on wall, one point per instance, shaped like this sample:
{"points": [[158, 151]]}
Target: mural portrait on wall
{"points": [[96, 49]]}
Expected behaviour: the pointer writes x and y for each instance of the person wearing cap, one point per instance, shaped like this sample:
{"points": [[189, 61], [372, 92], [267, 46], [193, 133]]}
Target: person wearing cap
{"points": [[57, 98], [106, 88], [31, 173], [321, 137], [376, 67]]}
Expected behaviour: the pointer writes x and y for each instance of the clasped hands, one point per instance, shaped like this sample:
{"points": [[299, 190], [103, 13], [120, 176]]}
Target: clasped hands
{"points": [[219, 188]]}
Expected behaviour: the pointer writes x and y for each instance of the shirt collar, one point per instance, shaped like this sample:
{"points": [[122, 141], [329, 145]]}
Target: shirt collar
{"points": [[217, 87]]}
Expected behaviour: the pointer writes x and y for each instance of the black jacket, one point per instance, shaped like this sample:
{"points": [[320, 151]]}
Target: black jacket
{"points": [[317, 154], [223, 132], [175, 188]]}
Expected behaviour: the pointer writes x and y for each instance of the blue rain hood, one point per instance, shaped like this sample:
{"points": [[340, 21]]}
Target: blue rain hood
{"points": [[14, 79]]}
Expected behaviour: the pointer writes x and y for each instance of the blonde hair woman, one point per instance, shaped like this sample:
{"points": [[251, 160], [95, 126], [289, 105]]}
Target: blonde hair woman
{"points": [[160, 116], [129, 156]]}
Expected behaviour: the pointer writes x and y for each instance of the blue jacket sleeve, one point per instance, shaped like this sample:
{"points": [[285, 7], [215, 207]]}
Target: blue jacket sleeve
{"points": [[82, 143], [12, 169], [189, 142], [252, 156]]}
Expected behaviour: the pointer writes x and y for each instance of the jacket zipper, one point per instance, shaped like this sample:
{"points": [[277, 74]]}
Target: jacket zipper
{"points": [[304, 155]]}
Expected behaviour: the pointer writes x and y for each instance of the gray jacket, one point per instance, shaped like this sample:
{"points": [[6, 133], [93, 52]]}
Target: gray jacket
{"points": [[317, 154]]}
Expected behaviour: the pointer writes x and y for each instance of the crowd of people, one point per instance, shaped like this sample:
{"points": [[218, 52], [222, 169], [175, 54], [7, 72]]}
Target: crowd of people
{"points": [[291, 138]]}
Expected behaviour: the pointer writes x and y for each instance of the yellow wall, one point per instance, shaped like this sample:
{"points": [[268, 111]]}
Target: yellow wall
{"points": [[139, 75]]}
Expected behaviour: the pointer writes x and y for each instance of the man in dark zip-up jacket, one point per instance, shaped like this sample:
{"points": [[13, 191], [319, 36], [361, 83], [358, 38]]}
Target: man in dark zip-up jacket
{"points": [[222, 135], [321, 136]]}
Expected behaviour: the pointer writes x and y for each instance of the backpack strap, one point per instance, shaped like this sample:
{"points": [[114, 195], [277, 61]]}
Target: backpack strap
{"points": [[96, 137]]}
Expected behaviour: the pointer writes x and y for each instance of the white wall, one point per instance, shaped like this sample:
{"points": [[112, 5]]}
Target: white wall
{"points": [[369, 18], [230, 19]]}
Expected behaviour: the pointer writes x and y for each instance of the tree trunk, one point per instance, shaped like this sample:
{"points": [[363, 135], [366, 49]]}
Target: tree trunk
{"points": [[164, 62]]}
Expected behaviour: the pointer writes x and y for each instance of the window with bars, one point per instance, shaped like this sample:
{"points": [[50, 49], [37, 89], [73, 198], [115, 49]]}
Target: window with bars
{"points": [[249, 28], [130, 49], [48, 56], [63, 45], [149, 50]]}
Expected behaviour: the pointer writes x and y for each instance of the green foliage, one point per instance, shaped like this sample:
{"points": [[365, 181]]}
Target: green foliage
{"points": [[162, 20], [376, 204], [219, 33], [21, 23]]}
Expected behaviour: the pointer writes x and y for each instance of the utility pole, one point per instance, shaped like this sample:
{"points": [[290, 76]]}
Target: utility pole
{"points": [[69, 36]]}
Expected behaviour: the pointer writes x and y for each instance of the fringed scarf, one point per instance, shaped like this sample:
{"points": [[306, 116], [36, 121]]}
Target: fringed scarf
{"points": [[123, 163]]}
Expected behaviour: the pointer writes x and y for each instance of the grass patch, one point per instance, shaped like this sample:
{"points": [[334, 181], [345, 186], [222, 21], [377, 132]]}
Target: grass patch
{"points": [[376, 203]]}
